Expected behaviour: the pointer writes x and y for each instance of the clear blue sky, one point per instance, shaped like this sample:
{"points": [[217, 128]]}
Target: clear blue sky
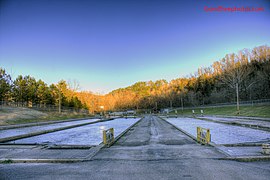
{"points": [[107, 44]]}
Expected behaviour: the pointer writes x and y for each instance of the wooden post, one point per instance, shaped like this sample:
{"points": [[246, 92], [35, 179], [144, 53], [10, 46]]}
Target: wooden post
{"points": [[182, 105], [237, 98], [59, 108]]}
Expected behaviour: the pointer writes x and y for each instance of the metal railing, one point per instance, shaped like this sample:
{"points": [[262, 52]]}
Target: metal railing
{"points": [[203, 135], [243, 103], [108, 137]]}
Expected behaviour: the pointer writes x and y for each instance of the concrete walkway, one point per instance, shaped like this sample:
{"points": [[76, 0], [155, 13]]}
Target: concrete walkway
{"points": [[155, 139]]}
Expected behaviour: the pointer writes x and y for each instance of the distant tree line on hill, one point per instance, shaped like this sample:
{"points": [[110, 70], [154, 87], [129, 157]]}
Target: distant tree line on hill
{"points": [[26, 91], [235, 77], [243, 76]]}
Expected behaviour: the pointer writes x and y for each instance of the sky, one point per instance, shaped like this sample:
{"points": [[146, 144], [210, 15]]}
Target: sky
{"points": [[105, 44]]}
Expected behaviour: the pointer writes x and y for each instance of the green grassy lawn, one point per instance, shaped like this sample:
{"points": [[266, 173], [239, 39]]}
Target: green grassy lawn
{"points": [[50, 117], [253, 111], [21, 115]]}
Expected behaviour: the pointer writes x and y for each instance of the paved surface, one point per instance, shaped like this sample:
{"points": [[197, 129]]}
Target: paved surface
{"points": [[40, 152], [153, 149], [134, 170], [242, 151]]}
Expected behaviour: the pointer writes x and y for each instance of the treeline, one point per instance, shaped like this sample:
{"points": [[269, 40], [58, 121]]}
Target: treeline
{"points": [[245, 75], [27, 91], [242, 76]]}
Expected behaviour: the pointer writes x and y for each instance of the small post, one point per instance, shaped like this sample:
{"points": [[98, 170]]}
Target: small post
{"points": [[208, 136], [237, 99], [182, 104], [201, 112], [104, 137], [266, 149], [60, 99]]}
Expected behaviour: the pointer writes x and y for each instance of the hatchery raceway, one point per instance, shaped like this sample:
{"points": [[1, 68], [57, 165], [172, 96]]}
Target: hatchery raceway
{"points": [[151, 148]]}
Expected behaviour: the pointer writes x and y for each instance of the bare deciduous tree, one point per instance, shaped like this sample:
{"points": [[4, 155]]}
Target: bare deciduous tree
{"points": [[235, 70]]}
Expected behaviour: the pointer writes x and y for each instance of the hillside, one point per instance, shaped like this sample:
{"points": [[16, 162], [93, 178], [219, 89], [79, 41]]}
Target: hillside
{"points": [[21, 115], [9, 115]]}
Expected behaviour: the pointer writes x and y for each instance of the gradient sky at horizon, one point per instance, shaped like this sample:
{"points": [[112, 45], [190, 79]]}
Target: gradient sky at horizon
{"points": [[106, 44]]}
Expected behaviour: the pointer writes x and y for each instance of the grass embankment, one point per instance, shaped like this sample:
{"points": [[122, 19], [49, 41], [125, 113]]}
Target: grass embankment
{"points": [[252, 111], [19, 115], [50, 117]]}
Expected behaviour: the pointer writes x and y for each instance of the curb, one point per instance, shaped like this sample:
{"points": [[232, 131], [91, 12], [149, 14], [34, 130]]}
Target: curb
{"points": [[244, 117], [258, 127], [71, 147], [242, 144], [248, 158], [94, 151], [8, 161]]}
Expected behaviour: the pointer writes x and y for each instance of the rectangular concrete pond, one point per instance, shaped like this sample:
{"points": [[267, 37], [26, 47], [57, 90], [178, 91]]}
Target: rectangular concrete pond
{"points": [[84, 135], [32, 129], [251, 121], [221, 133]]}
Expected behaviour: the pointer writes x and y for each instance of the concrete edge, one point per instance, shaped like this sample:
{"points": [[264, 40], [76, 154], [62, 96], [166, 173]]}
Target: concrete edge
{"points": [[247, 158], [242, 144], [195, 139], [251, 126], [49, 131], [9, 161], [49, 146], [94, 151], [244, 117], [71, 146]]}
